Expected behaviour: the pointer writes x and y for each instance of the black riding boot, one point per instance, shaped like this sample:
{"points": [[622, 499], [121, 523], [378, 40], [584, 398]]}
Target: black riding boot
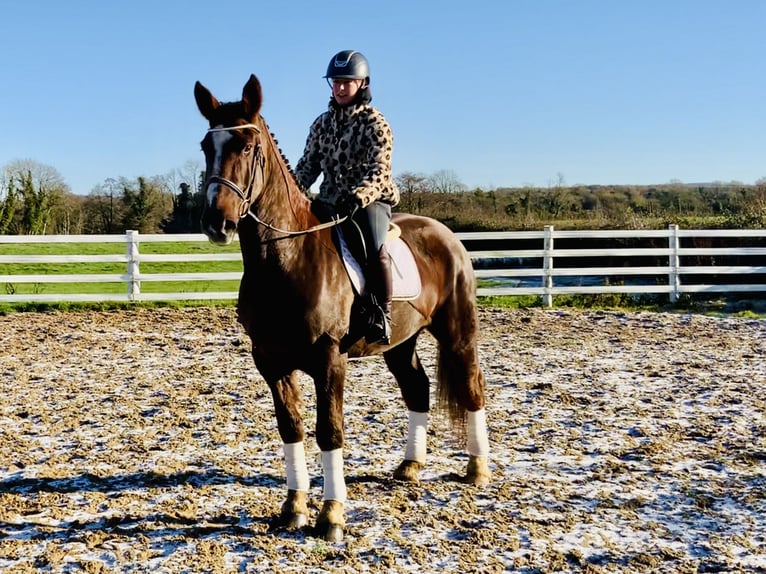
{"points": [[381, 291]]}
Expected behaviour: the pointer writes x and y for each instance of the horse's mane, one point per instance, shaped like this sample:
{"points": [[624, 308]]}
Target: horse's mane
{"points": [[285, 160]]}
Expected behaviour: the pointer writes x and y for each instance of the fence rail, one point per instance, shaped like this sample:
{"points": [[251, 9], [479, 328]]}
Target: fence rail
{"points": [[678, 258]]}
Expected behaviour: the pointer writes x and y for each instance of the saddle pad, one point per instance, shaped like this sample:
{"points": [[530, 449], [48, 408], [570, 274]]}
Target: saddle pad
{"points": [[404, 272]]}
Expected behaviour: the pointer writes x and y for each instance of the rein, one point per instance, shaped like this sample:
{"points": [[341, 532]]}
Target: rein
{"points": [[259, 160]]}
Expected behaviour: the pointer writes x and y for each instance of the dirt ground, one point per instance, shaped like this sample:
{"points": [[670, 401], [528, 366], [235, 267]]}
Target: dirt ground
{"points": [[144, 440]]}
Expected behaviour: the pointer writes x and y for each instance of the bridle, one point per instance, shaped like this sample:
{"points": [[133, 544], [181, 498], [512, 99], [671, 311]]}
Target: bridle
{"points": [[259, 161]]}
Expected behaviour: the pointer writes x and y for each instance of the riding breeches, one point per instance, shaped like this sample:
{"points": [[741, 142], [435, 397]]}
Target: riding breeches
{"points": [[373, 222]]}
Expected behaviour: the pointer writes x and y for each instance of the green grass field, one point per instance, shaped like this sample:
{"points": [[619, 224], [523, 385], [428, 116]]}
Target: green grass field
{"points": [[11, 287]]}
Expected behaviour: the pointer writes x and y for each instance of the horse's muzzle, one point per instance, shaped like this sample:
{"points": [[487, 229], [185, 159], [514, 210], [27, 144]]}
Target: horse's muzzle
{"points": [[219, 230]]}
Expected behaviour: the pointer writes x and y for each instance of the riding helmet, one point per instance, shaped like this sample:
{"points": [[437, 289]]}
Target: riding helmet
{"points": [[348, 64]]}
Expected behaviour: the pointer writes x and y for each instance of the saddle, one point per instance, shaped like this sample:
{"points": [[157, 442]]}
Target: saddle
{"points": [[404, 271]]}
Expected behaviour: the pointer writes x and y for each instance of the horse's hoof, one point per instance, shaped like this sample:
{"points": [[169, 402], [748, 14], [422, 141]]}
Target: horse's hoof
{"points": [[293, 521], [334, 533], [478, 471], [408, 471], [295, 512], [330, 523]]}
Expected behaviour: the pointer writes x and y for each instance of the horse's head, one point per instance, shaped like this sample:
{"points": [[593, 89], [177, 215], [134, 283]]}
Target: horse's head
{"points": [[234, 158]]}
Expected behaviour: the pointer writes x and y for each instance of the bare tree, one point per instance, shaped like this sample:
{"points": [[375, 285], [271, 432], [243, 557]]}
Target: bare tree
{"points": [[104, 207], [412, 186], [445, 181], [68, 215], [188, 174], [557, 198]]}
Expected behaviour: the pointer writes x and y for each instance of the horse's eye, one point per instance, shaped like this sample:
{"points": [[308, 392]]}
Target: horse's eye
{"points": [[248, 148]]}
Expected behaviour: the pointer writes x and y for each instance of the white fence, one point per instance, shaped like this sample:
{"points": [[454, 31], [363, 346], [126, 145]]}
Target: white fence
{"points": [[666, 277], [512, 274]]}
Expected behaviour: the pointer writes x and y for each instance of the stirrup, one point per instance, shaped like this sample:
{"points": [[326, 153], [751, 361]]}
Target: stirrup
{"points": [[380, 328], [378, 336]]}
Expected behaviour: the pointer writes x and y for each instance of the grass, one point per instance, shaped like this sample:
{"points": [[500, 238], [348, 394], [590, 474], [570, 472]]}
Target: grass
{"points": [[732, 306], [74, 306], [623, 301], [117, 268]]}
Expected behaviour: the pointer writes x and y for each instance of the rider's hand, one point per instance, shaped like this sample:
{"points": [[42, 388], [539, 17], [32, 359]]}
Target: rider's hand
{"points": [[348, 205]]}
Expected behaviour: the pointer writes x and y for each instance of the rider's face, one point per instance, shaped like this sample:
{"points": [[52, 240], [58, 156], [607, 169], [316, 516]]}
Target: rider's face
{"points": [[344, 90]]}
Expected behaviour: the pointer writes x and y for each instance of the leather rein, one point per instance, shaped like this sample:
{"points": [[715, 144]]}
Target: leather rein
{"points": [[259, 161]]}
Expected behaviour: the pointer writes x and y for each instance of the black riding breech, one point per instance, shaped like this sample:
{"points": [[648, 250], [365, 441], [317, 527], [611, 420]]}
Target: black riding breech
{"points": [[373, 222]]}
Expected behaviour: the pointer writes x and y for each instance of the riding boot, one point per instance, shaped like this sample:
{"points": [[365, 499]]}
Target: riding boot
{"points": [[381, 291]]}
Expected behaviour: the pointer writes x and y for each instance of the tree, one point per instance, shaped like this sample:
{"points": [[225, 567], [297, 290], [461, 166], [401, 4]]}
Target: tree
{"points": [[147, 205], [557, 198], [190, 174], [412, 186], [35, 210], [104, 208], [189, 202], [187, 211], [8, 202], [445, 181], [68, 215], [35, 190]]}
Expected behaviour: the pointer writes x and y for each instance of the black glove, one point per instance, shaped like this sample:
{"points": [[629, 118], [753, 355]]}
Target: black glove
{"points": [[322, 210], [348, 205]]}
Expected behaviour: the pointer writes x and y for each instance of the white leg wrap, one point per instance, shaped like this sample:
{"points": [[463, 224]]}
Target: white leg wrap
{"points": [[417, 433], [478, 442], [334, 483], [295, 465]]}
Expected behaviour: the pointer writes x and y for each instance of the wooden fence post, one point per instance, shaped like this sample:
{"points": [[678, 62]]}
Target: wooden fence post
{"points": [[134, 285], [548, 265], [674, 262]]}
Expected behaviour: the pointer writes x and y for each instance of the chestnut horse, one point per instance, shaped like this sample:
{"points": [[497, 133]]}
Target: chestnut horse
{"points": [[295, 301]]}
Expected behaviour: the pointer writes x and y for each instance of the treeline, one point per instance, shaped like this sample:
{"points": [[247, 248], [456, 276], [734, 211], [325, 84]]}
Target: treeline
{"points": [[35, 200], [714, 205]]}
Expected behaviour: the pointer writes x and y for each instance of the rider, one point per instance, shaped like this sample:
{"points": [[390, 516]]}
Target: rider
{"points": [[350, 145]]}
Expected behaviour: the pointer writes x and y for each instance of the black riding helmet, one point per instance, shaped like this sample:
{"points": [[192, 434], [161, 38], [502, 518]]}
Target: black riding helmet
{"points": [[348, 64]]}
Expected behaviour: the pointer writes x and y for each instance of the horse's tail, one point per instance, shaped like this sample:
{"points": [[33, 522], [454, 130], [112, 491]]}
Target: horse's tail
{"points": [[460, 383], [455, 325], [448, 390]]}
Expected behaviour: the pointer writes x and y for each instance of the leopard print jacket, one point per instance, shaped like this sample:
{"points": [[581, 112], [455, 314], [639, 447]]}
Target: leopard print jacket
{"points": [[351, 147]]}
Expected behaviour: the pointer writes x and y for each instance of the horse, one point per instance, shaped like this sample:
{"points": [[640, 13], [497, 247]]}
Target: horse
{"points": [[295, 300]]}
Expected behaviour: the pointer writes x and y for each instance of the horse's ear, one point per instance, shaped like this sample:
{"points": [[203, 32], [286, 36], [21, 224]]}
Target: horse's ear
{"points": [[252, 97], [206, 102]]}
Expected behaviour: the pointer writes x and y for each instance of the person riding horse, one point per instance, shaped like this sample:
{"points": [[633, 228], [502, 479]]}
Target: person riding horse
{"points": [[351, 146], [296, 304]]}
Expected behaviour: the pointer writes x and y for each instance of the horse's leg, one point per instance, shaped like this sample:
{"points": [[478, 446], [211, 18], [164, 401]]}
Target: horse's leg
{"points": [[461, 381], [404, 364], [329, 378], [287, 407]]}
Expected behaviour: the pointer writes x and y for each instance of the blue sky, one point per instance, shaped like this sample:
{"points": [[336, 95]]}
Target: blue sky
{"points": [[501, 93]]}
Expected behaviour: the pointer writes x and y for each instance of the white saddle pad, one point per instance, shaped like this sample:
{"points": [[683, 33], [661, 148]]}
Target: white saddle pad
{"points": [[404, 272]]}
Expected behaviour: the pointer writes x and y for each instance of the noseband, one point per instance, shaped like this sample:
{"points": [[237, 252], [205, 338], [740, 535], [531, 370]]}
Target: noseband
{"points": [[259, 161]]}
